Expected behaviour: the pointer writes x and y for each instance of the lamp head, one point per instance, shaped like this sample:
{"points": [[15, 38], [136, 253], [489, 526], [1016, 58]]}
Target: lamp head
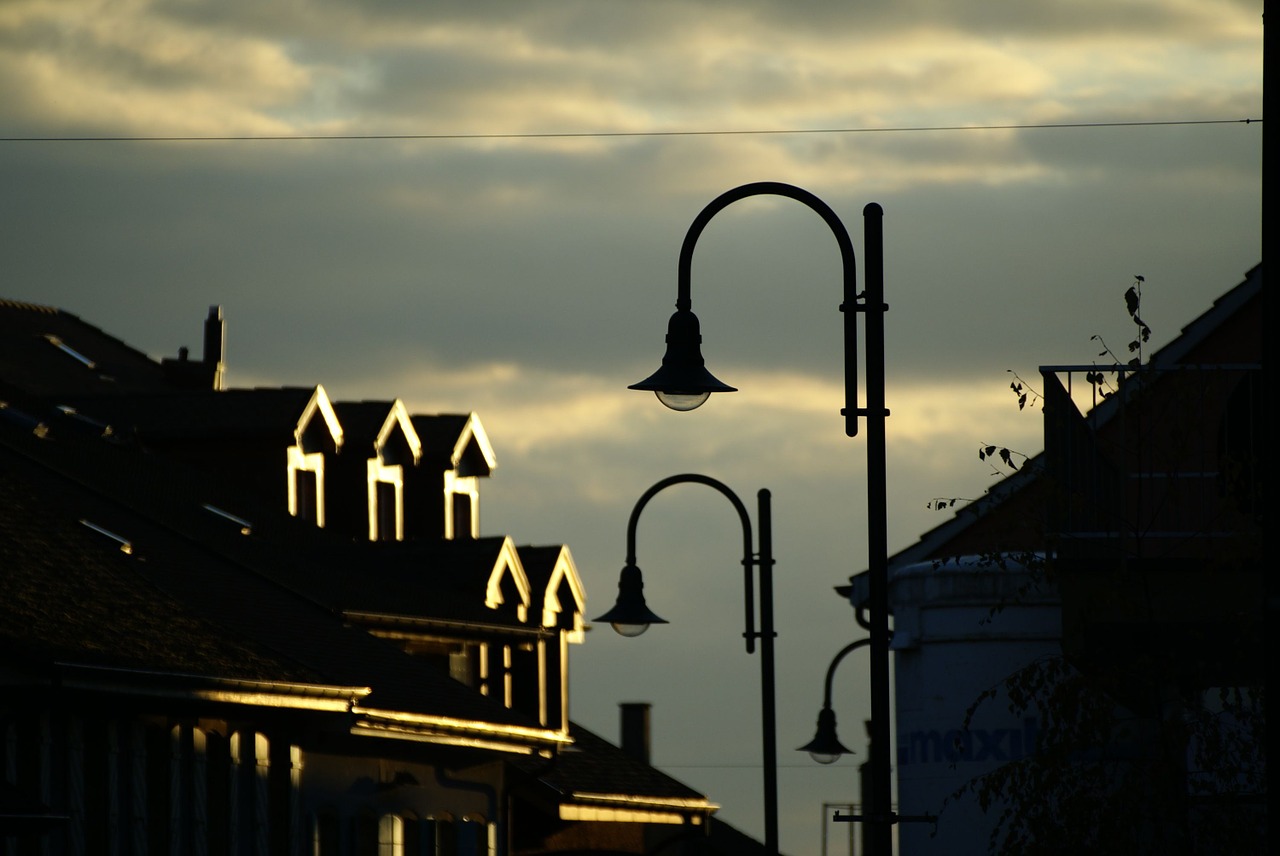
{"points": [[630, 615], [683, 382], [825, 747]]}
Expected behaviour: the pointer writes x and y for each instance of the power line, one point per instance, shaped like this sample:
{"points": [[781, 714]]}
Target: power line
{"points": [[575, 135]]}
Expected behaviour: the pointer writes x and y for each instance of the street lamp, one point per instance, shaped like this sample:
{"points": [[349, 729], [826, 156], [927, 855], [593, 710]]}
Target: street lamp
{"points": [[684, 382], [631, 616], [825, 747]]}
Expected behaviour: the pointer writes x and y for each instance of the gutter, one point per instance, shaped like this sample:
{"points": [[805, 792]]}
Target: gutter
{"points": [[177, 685]]}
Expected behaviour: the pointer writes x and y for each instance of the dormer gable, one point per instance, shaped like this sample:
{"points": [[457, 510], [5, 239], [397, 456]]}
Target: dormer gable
{"points": [[455, 453], [542, 669], [367, 494], [508, 589], [316, 435], [557, 588]]}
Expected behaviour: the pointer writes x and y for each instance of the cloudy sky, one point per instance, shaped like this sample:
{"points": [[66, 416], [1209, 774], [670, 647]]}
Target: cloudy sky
{"points": [[479, 206]]}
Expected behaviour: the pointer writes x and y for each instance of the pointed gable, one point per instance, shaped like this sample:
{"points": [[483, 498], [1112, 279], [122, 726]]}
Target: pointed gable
{"points": [[457, 442], [508, 586], [380, 429], [557, 588], [317, 428], [444, 500], [367, 488]]}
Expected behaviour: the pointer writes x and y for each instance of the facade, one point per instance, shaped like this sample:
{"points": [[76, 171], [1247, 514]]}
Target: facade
{"points": [[1083, 646], [259, 621]]}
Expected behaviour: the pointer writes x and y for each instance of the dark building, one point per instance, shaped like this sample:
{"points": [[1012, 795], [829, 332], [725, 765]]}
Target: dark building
{"points": [[252, 621], [1084, 644]]}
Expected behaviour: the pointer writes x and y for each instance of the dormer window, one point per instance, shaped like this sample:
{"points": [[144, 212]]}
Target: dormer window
{"points": [[396, 449], [316, 434], [306, 485], [386, 501], [462, 506], [445, 484]]}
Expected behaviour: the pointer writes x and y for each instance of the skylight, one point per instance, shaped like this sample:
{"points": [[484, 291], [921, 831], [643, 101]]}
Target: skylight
{"points": [[70, 351], [125, 545], [246, 528]]}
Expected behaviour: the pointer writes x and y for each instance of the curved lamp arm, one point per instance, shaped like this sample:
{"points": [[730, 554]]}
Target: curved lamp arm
{"points": [[849, 266], [825, 747], [748, 557], [831, 670]]}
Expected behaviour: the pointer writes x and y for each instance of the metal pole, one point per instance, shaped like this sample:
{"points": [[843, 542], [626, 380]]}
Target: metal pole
{"points": [[881, 796], [878, 803], [764, 561], [768, 715]]}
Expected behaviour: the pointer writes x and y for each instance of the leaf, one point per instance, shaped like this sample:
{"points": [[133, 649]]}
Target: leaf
{"points": [[1022, 401], [1131, 301]]}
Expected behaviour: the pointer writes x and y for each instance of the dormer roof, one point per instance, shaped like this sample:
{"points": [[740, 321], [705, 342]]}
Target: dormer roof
{"points": [[477, 582], [318, 426], [456, 442], [370, 426], [557, 588]]}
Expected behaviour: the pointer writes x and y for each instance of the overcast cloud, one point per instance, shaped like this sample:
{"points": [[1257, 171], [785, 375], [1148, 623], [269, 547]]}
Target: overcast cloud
{"points": [[529, 278]]}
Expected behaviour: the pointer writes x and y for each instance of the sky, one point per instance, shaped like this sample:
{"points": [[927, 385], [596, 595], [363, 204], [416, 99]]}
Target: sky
{"points": [[480, 206]]}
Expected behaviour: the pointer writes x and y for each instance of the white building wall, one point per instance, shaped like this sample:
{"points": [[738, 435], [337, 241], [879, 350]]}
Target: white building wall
{"points": [[960, 628]]}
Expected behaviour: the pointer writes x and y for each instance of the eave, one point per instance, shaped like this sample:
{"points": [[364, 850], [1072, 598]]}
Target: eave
{"points": [[185, 687], [389, 626], [628, 808], [451, 731]]}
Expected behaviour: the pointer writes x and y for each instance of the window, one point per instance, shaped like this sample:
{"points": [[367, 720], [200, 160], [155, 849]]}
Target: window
{"points": [[462, 506], [306, 485], [386, 516], [390, 835]]}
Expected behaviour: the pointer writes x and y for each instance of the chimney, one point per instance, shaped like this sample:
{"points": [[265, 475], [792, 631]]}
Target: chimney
{"points": [[206, 374], [215, 344], [635, 729]]}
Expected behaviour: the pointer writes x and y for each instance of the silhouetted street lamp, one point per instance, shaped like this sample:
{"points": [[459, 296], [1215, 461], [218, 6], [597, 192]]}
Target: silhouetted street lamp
{"points": [[684, 383], [631, 616], [825, 747]]}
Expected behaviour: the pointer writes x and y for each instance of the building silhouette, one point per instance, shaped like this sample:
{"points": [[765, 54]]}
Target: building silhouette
{"points": [[259, 621], [1083, 645]]}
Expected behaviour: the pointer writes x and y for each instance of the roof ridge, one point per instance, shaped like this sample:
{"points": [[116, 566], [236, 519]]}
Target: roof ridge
{"points": [[29, 307]]}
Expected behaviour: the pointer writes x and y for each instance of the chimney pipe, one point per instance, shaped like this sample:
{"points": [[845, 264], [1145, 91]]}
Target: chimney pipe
{"points": [[635, 729], [215, 344]]}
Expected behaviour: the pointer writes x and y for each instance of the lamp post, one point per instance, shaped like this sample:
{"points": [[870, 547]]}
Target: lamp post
{"points": [[631, 616], [683, 383]]}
